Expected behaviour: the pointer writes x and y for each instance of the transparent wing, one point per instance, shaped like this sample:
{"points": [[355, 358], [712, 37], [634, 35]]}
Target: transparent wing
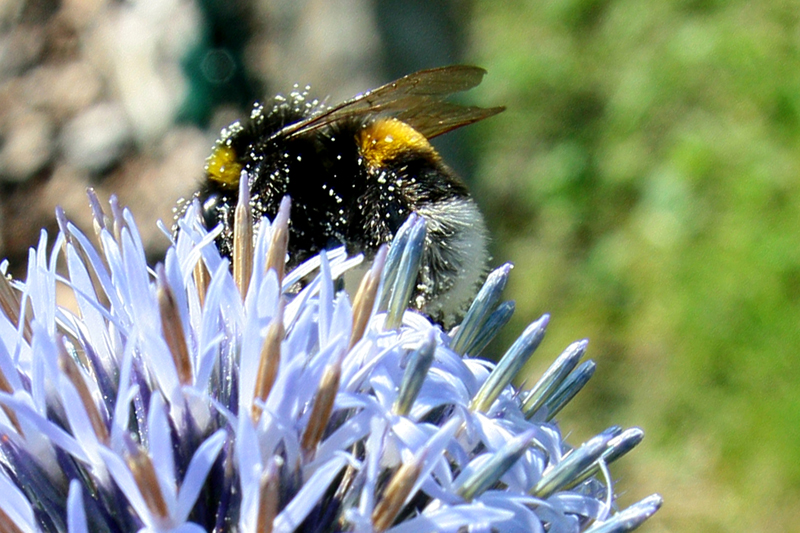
{"points": [[436, 118], [415, 99]]}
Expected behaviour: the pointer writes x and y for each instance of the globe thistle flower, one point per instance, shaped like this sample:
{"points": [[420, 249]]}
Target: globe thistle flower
{"points": [[198, 397]]}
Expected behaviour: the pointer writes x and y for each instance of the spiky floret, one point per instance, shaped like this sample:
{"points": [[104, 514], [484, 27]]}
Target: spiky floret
{"points": [[190, 398]]}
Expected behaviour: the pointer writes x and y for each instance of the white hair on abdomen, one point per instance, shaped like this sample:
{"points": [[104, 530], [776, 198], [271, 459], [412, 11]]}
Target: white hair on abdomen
{"points": [[457, 238]]}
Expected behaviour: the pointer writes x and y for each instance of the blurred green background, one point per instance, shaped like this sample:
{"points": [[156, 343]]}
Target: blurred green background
{"points": [[644, 180]]}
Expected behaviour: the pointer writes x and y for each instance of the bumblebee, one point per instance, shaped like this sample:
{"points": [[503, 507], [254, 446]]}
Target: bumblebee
{"points": [[355, 172]]}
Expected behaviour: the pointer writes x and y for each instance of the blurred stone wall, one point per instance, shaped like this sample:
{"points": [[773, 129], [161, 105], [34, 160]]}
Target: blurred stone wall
{"points": [[128, 97], [89, 94]]}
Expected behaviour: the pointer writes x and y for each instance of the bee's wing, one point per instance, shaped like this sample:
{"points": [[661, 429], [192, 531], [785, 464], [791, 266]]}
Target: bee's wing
{"points": [[435, 118], [416, 99]]}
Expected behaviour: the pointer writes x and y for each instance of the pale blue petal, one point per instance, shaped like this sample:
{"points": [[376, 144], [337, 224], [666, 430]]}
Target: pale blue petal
{"points": [[578, 504], [134, 232], [86, 298], [174, 278], [136, 284], [352, 431], [210, 332], [76, 514], [372, 458], [325, 301], [435, 460], [97, 264], [161, 449], [45, 365], [126, 483], [7, 366], [48, 430], [248, 456], [342, 321], [452, 519], [197, 472], [16, 506], [125, 395], [524, 518], [309, 496], [79, 421]]}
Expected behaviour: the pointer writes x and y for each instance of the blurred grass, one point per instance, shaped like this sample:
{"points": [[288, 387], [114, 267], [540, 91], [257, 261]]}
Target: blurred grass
{"points": [[644, 181]]}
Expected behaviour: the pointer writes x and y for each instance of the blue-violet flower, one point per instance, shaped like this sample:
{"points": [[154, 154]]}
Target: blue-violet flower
{"points": [[200, 396]]}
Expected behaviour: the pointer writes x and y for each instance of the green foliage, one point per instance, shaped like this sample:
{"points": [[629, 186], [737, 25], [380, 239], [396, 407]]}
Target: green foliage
{"points": [[645, 180]]}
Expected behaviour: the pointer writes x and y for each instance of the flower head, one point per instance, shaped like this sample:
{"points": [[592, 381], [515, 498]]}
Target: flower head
{"points": [[198, 397]]}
